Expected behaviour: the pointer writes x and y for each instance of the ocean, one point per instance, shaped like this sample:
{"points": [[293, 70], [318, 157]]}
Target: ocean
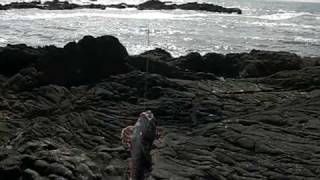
{"points": [[284, 25]]}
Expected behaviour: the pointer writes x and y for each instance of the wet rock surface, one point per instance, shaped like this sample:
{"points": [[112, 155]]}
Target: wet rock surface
{"points": [[148, 5], [251, 123]]}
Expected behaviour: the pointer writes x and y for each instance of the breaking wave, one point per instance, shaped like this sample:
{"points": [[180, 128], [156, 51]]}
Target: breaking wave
{"points": [[302, 40], [2, 40], [107, 14], [283, 16]]}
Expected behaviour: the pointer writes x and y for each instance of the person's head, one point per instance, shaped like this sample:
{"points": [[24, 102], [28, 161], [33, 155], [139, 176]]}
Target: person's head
{"points": [[148, 115]]}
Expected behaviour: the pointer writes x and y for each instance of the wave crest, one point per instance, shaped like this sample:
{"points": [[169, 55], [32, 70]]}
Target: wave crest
{"points": [[283, 16]]}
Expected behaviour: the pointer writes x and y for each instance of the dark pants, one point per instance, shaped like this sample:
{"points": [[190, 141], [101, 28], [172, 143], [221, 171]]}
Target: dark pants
{"points": [[141, 159]]}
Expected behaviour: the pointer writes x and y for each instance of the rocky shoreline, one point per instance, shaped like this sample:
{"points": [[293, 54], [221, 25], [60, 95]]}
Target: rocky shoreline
{"points": [[148, 5], [236, 116]]}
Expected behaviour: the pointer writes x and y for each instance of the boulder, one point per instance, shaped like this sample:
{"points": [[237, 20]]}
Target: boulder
{"points": [[264, 63], [59, 5], [85, 61], [155, 5], [121, 6], [192, 61], [257, 63], [23, 5], [159, 5], [208, 7], [154, 61], [151, 65], [220, 65], [158, 54], [161, 62], [26, 79]]}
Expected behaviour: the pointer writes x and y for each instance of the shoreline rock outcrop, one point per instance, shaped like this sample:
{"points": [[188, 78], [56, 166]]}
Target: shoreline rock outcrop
{"points": [[237, 116], [148, 5]]}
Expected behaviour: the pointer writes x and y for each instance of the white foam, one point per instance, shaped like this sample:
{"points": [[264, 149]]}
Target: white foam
{"points": [[105, 14], [187, 39], [278, 24], [307, 40], [282, 16], [2, 40], [259, 38]]}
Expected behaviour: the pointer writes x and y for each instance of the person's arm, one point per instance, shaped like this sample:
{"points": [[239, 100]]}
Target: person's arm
{"points": [[159, 132], [126, 134], [158, 140]]}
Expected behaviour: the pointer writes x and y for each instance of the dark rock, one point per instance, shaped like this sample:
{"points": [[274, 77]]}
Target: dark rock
{"points": [[13, 173], [246, 65], [86, 61], [208, 7], [23, 5], [141, 81], [310, 61], [203, 76], [13, 58], [91, 6], [148, 5], [157, 54], [61, 170], [59, 5], [306, 78], [121, 6], [49, 5], [161, 62], [155, 5], [246, 142], [262, 127], [10, 163], [158, 5], [41, 166], [26, 79], [30, 174], [263, 63], [193, 62], [152, 65], [221, 65]]}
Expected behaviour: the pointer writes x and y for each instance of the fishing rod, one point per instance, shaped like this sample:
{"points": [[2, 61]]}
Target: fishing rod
{"points": [[146, 67]]}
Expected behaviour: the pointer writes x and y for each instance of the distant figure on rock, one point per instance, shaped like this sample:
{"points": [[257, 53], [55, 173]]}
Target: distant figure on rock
{"points": [[139, 138]]}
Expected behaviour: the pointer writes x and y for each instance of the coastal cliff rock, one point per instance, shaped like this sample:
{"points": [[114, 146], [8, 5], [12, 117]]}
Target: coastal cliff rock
{"points": [[263, 127]]}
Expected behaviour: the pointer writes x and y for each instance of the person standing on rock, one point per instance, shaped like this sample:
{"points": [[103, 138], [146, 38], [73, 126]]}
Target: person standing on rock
{"points": [[139, 139]]}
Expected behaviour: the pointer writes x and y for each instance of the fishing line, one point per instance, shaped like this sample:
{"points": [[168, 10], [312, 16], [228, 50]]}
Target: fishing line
{"points": [[146, 68]]}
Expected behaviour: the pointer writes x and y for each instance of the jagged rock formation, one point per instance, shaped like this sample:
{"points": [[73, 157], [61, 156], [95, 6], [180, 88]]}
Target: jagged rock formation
{"points": [[260, 123], [158, 5], [148, 5]]}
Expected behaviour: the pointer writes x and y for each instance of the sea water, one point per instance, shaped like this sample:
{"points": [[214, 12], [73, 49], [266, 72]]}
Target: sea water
{"points": [[280, 25]]}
